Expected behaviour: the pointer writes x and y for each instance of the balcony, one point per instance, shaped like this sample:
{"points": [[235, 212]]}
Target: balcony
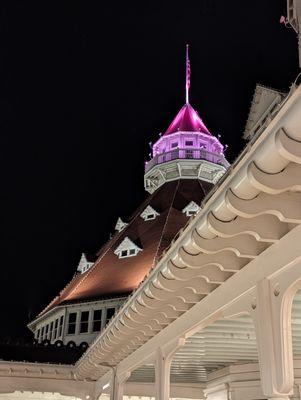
{"points": [[187, 154]]}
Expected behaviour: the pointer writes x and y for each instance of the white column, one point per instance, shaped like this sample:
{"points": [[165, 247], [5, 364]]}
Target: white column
{"points": [[117, 385], [271, 316], [164, 356]]}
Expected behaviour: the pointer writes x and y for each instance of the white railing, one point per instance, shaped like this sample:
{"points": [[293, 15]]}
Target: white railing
{"points": [[187, 153]]}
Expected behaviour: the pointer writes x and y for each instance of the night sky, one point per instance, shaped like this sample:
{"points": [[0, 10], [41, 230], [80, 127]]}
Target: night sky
{"points": [[85, 86]]}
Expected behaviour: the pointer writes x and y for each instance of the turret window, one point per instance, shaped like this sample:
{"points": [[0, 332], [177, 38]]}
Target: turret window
{"points": [[188, 154], [189, 143], [173, 145]]}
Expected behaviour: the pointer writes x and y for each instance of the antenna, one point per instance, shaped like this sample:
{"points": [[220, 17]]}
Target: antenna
{"points": [[188, 73]]}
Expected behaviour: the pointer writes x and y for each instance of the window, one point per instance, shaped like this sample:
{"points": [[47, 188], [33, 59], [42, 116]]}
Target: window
{"points": [[189, 143], [55, 328], [188, 154], [84, 322], [127, 248], [38, 334], [173, 145], [61, 325], [97, 314], [191, 212], [149, 213], [110, 313], [42, 333], [72, 323], [51, 330], [191, 209], [128, 253], [46, 331]]}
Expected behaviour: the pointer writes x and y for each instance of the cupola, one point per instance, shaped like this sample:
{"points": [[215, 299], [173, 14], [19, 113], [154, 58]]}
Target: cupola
{"points": [[184, 148]]}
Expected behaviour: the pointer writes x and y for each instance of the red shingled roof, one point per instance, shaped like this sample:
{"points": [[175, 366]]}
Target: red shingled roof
{"points": [[111, 276], [187, 120]]}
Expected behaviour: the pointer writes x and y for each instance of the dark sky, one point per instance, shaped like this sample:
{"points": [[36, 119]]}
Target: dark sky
{"points": [[85, 86]]}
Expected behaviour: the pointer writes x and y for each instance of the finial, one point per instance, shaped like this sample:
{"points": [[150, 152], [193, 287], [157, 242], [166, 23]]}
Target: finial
{"points": [[188, 73]]}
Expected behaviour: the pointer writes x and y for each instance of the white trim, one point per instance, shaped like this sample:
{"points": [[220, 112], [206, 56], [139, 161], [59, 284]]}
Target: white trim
{"points": [[84, 264], [191, 209], [120, 225], [127, 248], [149, 213]]}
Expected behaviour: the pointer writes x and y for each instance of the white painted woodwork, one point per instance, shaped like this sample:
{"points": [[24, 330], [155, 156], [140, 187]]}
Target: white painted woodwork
{"points": [[149, 213]]}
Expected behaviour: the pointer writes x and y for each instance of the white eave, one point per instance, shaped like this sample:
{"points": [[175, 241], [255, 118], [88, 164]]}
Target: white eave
{"points": [[264, 105]]}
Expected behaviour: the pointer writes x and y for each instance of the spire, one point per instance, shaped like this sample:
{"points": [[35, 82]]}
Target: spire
{"points": [[188, 73]]}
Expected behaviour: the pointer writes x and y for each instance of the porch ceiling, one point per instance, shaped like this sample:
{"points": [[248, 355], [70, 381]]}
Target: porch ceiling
{"points": [[223, 343]]}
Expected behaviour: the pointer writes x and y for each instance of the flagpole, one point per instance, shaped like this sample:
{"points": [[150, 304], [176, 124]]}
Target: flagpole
{"points": [[187, 73]]}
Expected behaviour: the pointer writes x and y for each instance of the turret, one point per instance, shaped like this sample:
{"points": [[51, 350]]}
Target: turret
{"points": [[187, 150]]}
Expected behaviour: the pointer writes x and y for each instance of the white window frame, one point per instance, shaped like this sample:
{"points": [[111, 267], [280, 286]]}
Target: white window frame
{"points": [[192, 208], [149, 213], [126, 247]]}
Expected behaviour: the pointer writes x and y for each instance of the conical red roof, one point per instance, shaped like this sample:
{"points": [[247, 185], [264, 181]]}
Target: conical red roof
{"points": [[187, 120]]}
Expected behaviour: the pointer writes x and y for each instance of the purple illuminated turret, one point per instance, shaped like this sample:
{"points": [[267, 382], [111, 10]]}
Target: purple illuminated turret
{"points": [[188, 133], [186, 141]]}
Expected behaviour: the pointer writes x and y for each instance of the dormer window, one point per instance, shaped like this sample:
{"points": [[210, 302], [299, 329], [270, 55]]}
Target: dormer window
{"points": [[127, 248], [191, 209], [85, 263], [120, 225], [149, 213]]}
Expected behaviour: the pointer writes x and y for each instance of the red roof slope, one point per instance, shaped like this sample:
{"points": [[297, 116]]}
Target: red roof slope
{"points": [[112, 276], [187, 120]]}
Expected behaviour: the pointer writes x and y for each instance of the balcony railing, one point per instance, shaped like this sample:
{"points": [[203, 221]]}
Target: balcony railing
{"points": [[192, 153]]}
